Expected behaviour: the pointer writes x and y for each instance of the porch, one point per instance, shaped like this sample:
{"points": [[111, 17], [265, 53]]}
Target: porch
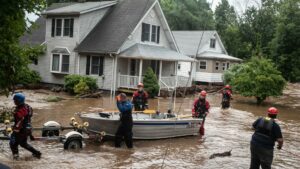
{"points": [[134, 62]]}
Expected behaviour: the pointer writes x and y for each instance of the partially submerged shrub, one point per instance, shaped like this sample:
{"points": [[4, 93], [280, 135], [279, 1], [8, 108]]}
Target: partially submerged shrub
{"points": [[6, 113], [77, 84], [53, 99]]}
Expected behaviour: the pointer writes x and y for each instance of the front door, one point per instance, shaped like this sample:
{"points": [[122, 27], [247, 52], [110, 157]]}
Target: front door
{"points": [[133, 67]]}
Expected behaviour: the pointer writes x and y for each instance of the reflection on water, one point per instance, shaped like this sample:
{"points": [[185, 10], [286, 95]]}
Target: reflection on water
{"points": [[226, 130]]}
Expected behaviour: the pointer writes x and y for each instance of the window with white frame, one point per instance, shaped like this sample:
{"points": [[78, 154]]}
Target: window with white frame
{"points": [[224, 66], [60, 63], [62, 27], [97, 65], [202, 65], [212, 43], [150, 33], [217, 64]]}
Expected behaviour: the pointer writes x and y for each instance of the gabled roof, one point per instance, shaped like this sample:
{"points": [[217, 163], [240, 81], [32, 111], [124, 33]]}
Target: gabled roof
{"points": [[115, 27], [151, 52], [188, 41], [37, 31], [79, 8]]}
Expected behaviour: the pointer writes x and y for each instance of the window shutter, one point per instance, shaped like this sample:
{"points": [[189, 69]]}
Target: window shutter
{"points": [[71, 27], [88, 64], [101, 66], [158, 34], [53, 27]]}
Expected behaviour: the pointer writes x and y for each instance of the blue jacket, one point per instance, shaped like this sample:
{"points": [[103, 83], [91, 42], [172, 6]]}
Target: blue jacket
{"points": [[125, 109]]}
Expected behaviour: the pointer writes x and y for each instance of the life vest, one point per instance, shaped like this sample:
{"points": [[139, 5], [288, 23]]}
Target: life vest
{"points": [[201, 107], [226, 95], [27, 118], [264, 127]]}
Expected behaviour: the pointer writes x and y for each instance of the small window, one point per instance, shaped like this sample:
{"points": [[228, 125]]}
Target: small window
{"points": [[228, 65], [202, 65], [153, 34], [58, 27], [67, 25], [65, 63], [224, 66], [217, 65], [212, 43], [97, 65], [145, 32], [55, 62], [178, 66]]}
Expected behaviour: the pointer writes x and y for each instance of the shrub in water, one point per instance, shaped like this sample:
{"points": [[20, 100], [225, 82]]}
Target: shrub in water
{"points": [[71, 81]]}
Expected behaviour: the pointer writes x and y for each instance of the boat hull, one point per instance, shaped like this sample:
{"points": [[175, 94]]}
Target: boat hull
{"points": [[145, 128]]}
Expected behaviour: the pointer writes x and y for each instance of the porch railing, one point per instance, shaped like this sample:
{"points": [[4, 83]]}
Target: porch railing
{"points": [[166, 82], [128, 81]]}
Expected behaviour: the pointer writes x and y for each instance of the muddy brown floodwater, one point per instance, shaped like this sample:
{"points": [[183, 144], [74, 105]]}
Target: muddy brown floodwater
{"points": [[229, 130]]}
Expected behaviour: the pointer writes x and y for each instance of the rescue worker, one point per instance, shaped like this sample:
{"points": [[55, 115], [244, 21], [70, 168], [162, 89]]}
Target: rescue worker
{"points": [[140, 98], [20, 132], [125, 127], [200, 110], [267, 132], [226, 97]]}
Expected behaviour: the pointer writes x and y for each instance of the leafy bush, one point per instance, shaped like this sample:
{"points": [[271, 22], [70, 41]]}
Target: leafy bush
{"points": [[151, 83], [81, 87], [6, 114], [77, 82], [258, 77], [29, 77]]}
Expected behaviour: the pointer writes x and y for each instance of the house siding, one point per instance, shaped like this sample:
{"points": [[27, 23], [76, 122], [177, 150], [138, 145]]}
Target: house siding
{"points": [[152, 19]]}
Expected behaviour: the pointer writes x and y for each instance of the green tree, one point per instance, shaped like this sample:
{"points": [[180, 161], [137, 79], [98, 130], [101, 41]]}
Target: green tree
{"points": [[151, 83], [188, 14], [13, 57], [285, 45], [258, 77]]}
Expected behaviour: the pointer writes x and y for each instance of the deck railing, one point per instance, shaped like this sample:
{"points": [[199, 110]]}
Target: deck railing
{"points": [[128, 81]]}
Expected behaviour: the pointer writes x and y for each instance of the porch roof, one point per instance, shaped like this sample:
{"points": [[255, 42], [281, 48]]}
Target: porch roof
{"points": [[217, 56], [150, 52]]}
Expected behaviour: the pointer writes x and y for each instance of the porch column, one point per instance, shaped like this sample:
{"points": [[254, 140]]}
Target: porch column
{"points": [[140, 70], [159, 75]]}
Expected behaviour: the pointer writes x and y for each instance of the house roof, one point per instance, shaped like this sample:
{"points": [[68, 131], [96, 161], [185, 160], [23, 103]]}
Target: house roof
{"points": [[37, 31], [217, 56], [150, 52], [79, 8], [115, 27], [188, 41]]}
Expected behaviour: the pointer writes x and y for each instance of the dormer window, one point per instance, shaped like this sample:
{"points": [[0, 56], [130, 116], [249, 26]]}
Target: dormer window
{"points": [[62, 27], [212, 43], [150, 33]]}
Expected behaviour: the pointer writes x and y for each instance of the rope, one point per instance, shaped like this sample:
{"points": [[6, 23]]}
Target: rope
{"points": [[165, 155]]}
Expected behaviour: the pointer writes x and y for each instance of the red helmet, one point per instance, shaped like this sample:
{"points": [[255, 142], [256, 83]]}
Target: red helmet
{"points": [[227, 87], [272, 110], [140, 85], [203, 93]]}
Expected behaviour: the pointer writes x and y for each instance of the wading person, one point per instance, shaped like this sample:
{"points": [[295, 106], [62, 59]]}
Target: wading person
{"points": [[226, 97], [267, 132], [200, 110], [20, 133], [125, 128], [140, 98]]}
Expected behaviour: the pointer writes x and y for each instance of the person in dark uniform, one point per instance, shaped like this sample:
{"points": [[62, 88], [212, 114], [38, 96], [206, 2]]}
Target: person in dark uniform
{"points": [[267, 132], [200, 110], [140, 98], [20, 133], [125, 127]]}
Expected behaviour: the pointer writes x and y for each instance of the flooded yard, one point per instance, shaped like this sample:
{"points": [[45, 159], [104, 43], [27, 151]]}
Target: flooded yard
{"points": [[225, 130]]}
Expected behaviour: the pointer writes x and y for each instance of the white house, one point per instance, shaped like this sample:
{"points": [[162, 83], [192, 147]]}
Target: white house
{"points": [[112, 41], [208, 49]]}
